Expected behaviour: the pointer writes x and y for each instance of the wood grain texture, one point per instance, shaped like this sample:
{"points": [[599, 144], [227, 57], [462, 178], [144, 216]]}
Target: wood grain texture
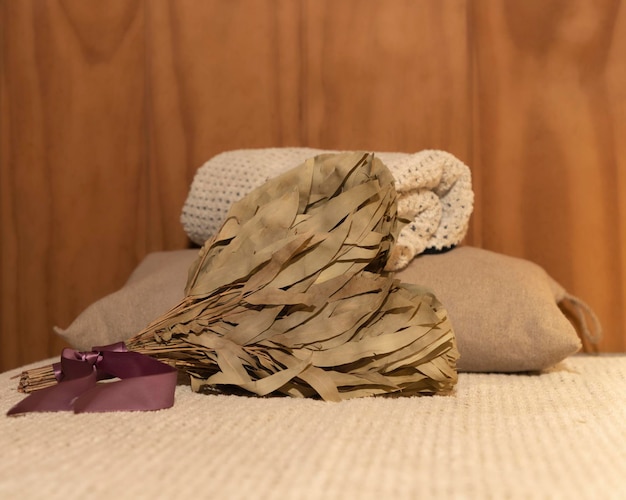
{"points": [[222, 75], [108, 108], [72, 160], [548, 110], [386, 76]]}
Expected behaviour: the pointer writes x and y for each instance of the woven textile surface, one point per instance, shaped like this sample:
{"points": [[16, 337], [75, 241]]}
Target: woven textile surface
{"points": [[561, 434], [434, 188]]}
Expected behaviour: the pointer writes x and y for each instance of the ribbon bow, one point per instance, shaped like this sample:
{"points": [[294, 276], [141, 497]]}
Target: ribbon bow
{"points": [[145, 383]]}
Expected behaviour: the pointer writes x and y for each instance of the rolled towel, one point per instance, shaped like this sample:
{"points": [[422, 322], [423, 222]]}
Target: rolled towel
{"points": [[434, 187]]}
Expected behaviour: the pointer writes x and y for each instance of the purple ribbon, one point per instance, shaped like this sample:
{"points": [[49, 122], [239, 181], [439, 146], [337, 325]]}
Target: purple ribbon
{"points": [[145, 383]]}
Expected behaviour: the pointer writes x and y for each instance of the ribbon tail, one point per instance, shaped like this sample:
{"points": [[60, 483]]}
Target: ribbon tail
{"points": [[144, 393], [59, 397]]}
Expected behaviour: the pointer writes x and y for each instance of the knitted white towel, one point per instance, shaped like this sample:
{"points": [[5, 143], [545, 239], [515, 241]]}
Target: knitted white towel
{"points": [[435, 194]]}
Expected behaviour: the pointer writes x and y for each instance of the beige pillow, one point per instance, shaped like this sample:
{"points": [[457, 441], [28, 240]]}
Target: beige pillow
{"points": [[503, 310], [156, 285]]}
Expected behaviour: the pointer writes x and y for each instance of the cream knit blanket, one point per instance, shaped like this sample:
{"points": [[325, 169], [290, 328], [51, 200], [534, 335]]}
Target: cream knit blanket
{"points": [[434, 187], [558, 435]]}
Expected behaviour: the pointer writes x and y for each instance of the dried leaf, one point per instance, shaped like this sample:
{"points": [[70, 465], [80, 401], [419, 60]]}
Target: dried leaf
{"points": [[290, 295]]}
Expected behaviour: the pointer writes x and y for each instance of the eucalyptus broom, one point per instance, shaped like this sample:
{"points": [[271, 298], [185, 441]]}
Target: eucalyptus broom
{"points": [[290, 295]]}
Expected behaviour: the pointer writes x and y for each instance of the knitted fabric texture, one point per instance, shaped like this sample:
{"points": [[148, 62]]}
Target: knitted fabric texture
{"points": [[434, 189], [559, 435]]}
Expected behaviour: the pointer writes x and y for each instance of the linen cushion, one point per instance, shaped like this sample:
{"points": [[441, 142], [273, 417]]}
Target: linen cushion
{"points": [[504, 310], [154, 287]]}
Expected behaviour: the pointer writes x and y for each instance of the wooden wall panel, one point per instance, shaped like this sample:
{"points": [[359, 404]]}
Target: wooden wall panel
{"points": [[548, 143], [390, 76], [108, 108], [72, 159], [222, 75]]}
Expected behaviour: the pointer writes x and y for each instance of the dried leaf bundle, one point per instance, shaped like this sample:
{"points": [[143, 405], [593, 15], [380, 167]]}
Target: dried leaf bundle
{"points": [[290, 295]]}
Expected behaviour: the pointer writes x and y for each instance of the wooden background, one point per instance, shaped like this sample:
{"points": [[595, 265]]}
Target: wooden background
{"points": [[108, 108]]}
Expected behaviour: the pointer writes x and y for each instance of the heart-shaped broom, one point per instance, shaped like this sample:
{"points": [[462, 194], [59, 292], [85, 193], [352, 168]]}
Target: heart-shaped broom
{"points": [[290, 296]]}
